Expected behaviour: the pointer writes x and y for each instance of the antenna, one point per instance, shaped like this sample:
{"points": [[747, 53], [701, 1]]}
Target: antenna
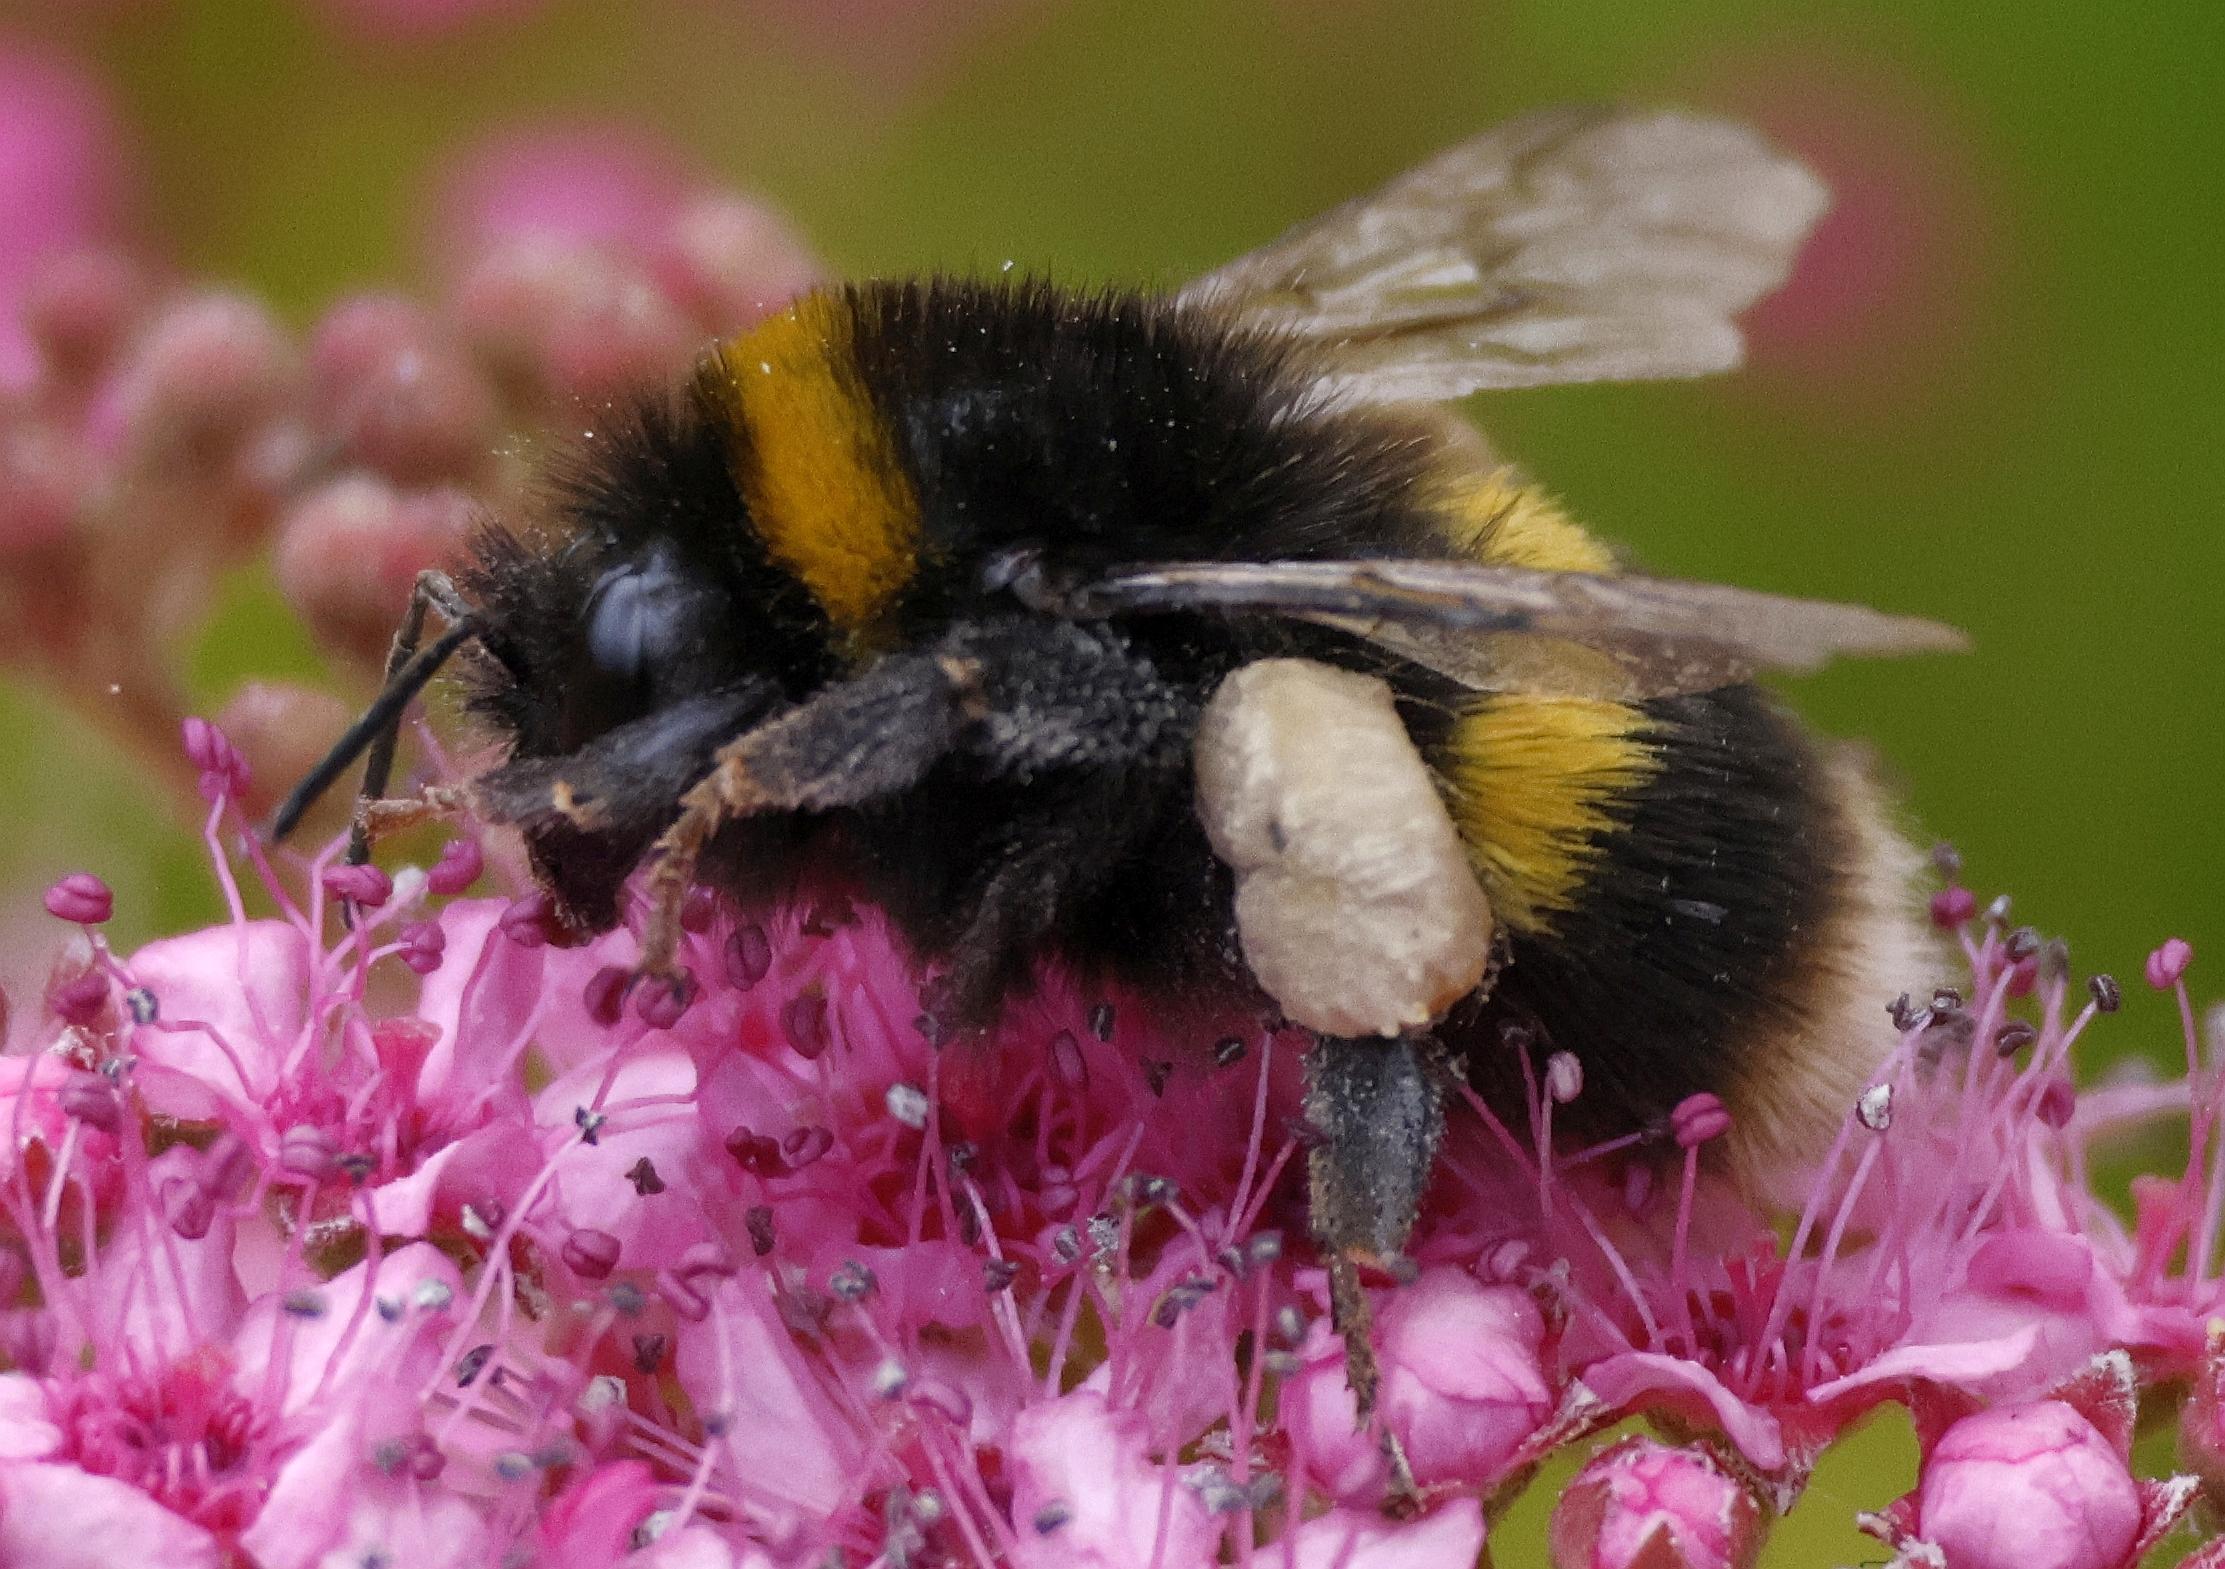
{"points": [[384, 714]]}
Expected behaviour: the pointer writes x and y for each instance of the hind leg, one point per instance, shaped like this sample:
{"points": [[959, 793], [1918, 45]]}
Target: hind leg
{"points": [[1377, 1109]]}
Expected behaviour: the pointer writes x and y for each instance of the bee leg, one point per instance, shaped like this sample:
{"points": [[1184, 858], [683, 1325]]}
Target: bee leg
{"points": [[1376, 1108], [375, 818], [864, 739], [432, 591], [1018, 696]]}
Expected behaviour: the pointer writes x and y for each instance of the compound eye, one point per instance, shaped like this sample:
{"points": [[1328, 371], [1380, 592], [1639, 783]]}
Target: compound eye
{"points": [[649, 629]]}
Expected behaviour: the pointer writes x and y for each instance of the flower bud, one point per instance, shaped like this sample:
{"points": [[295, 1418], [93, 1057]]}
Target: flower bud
{"points": [[562, 323], [203, 377], [274, 731], [80, 897], [2032, 1486], [460, 865], [364, 885], [46, 479], [395, 392], [79, 306], [349, 553], [728, 261], [2168, 963], [1645, 1505], [1462, 1386]]}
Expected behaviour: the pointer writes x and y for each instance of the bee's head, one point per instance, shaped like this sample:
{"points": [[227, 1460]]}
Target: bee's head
{"points": [[651, 632], [650, 594]]}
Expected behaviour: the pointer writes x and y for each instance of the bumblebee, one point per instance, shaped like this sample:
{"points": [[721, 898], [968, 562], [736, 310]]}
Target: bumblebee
{"points": [[1185, 642]]}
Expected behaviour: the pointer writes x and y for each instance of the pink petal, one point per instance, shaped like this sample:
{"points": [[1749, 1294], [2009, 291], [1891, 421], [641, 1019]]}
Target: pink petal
{"points": [[423, 1528], [306, 1507], [1086, 1496], [1627, 1379], [590, 1187], [58, 1517], [1962, 1364], [1362, 1539], [156, 1296], [697, 1547], [785, 1430], [380, 1351], [489, 1163], [480, 998], [25, 1432], [1181, 1377], [247, 984]]}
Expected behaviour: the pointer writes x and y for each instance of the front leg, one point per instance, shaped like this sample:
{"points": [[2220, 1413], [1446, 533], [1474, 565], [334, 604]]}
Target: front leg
{"points": [[1018, 697], [867, 738]]}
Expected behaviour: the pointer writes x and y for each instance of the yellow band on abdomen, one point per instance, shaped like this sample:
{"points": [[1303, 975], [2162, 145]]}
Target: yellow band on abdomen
{"points": [[1534, 781]]}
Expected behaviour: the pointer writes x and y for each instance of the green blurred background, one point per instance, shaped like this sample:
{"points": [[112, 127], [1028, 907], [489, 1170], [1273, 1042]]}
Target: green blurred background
{"points": [[1993, 394]]}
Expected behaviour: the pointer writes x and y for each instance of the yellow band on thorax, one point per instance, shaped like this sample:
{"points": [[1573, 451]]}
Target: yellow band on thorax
{"points": [[826, 489]]}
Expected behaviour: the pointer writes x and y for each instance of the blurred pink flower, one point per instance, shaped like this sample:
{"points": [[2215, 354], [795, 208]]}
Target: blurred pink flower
{"points": [[157, 436], [1893, 287], [568, 184], [61, 172]]}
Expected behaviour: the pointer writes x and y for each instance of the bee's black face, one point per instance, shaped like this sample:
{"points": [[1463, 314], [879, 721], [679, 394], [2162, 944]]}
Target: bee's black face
{"points": [[650, 636]]}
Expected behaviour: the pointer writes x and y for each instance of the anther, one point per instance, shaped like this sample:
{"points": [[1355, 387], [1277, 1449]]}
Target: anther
{"points": [[803, 1020], [591, 1254], [748, 955]]}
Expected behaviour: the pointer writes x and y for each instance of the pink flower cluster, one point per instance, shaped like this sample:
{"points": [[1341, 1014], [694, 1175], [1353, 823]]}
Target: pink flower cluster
{"points": [[420, 1240]]}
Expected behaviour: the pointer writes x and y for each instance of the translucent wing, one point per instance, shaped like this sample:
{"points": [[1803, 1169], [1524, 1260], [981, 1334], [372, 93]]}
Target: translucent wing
{"points": [[1499, 628], [1572, 245]]}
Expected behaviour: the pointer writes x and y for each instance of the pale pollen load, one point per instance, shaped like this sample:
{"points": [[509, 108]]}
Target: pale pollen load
{"points": [[1355, 903]]}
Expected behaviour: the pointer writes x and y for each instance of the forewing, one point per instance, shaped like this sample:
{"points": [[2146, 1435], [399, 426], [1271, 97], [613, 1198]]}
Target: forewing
{"points": [[1498, 628], [1571, 245]]}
